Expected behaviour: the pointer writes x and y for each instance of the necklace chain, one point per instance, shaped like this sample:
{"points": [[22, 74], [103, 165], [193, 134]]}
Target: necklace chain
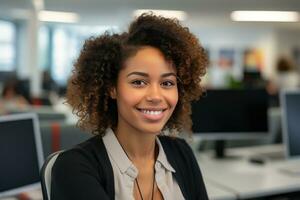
{"points": [[139, 189], [136, 180]]}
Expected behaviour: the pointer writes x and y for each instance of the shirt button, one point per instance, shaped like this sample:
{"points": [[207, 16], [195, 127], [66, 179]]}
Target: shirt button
{"points": [[158, 165], [132, 173]]}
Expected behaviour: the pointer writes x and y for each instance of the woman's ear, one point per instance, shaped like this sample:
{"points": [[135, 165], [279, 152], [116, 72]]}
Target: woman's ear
{"points": [[113, 93]]}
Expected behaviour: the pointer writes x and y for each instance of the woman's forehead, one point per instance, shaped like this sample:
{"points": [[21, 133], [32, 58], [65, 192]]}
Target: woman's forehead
{"points": [[149, 59]]}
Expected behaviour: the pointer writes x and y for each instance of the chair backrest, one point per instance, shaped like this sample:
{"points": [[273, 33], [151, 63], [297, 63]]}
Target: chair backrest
{"points": [[46, 173]]}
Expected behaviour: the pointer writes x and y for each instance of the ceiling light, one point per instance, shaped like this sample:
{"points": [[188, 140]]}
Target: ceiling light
{"points": [[53, 16], [265, 16], [180, 15]]}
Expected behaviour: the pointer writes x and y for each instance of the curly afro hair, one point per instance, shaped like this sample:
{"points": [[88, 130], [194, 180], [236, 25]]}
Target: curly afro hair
{"points": [[96, 71]]}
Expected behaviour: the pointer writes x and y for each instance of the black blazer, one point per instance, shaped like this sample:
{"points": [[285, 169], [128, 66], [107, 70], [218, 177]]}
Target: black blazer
{"points": [[85, 172]]}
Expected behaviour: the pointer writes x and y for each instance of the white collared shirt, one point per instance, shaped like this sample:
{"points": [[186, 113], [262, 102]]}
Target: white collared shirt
{"points": [[125, 172]]}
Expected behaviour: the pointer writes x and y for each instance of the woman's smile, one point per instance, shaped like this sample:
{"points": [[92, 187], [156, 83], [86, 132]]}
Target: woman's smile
{"points": [[152, 114]]}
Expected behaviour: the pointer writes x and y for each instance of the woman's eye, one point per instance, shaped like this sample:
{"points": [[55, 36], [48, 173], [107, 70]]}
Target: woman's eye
{"points": [[138, 83], [168, 84]]}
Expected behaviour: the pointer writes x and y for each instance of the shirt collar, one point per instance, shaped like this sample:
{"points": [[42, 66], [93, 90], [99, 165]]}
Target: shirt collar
{"points": [[162, 158], [117, 153]]}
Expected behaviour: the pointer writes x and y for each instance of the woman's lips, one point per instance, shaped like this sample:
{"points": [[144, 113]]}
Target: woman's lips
{"points": [[152, 114]]}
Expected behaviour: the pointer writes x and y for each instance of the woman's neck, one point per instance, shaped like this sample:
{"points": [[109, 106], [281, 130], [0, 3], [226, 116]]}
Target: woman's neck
{"points": [[138, 146]]}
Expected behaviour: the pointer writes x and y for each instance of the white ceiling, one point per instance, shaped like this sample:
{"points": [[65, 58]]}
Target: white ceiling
{"points": [[119, 12]]}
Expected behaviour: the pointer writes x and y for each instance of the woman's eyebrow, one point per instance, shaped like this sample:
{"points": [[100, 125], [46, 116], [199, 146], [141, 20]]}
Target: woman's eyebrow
{"points": [[138, 73], [147, 75], [168, 74]]}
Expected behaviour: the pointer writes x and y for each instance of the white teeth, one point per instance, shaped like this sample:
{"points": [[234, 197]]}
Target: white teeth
{"points": [[150, 112]]}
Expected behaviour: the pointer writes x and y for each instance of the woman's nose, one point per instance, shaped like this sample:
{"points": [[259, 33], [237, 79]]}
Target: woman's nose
{"points": [[154, 94]]}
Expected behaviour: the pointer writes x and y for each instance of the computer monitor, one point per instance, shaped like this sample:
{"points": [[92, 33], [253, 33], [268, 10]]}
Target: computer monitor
{"points": [[231, 114], [21, 153], [290, 109]]}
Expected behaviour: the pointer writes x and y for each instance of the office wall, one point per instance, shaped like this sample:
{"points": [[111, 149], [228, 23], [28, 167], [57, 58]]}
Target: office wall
{"points": [[240, 38], [287, 40]]}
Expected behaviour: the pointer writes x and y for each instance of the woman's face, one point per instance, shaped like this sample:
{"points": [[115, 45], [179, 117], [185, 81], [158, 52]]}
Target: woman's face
{"points": [[146, 92]]}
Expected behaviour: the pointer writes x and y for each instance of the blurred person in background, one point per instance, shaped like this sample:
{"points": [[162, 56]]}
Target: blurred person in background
{"points": [[13, 97], [287, 76], [48, 84]]}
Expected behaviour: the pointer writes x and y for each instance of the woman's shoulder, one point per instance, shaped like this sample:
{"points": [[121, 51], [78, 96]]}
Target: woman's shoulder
{"points": [[83, 170], [90, 152]]}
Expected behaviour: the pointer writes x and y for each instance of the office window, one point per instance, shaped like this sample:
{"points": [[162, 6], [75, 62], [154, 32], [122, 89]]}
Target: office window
{"points": [[44, 48], [7, 46], [67, 42], [64, 51]]}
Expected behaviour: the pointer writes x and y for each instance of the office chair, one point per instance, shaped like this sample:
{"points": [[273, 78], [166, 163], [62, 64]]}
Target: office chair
{"points": [[46, 173]]}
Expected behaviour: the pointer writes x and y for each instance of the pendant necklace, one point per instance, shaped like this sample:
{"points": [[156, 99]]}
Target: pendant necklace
{"points": [[137, 183]]}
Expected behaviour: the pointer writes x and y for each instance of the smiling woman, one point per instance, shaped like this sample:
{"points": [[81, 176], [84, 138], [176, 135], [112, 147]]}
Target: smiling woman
{"points": [[130, 89]]}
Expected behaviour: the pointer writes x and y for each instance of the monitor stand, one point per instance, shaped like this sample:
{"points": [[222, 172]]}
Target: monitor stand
{"points": [[220, 150]]}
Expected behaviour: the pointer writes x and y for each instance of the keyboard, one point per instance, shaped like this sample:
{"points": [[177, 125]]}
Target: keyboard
{"points": [[272, 155]]}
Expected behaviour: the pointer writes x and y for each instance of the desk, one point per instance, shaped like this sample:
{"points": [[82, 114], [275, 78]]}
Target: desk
{"points": [[247, 180], [217, 192], [35, 194]]}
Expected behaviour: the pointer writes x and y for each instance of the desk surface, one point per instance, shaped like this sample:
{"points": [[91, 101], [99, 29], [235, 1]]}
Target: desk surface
{"points": [[217, 192], [249, 180], [35, 194]]}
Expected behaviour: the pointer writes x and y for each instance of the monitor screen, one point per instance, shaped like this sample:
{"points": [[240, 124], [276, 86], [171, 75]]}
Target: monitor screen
{"points": [[290, 104], [231, 114], [20, 153]]}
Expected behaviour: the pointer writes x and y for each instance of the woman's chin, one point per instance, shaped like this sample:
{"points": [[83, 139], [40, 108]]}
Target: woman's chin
{"points": [[152, 130]]}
